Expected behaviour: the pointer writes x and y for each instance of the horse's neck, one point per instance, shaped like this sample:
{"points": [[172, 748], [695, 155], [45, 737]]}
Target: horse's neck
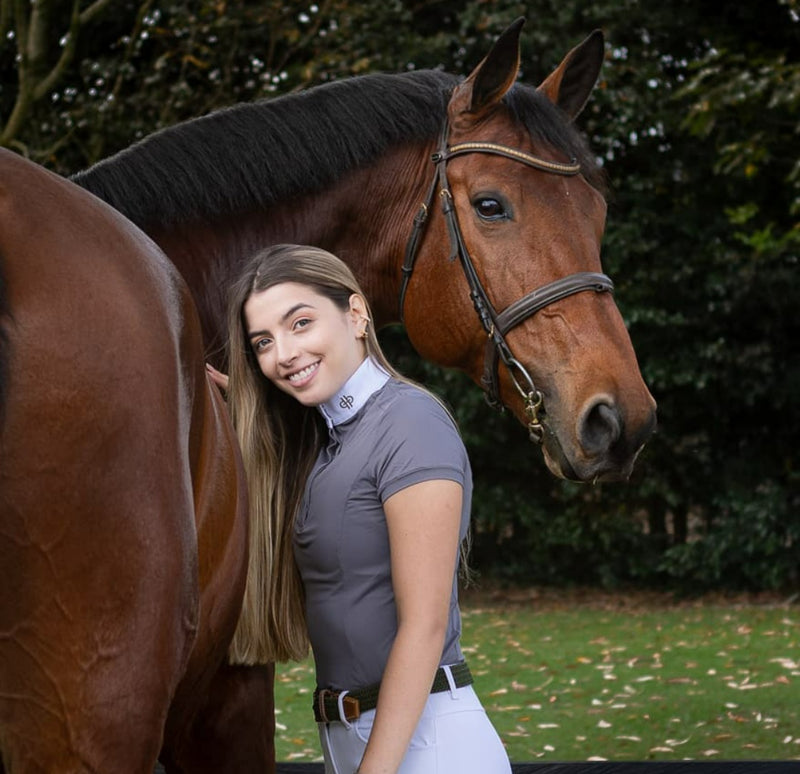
{"points": [[365, 219]]}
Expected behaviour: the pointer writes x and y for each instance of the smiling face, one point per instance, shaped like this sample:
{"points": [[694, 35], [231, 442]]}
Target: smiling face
{"points": [[304, 343]]}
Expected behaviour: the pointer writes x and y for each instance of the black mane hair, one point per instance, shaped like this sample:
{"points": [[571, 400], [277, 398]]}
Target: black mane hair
{"points": [[254, 154]]}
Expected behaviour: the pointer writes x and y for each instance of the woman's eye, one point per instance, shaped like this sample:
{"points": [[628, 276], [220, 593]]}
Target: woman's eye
{"points": [[490, 209], [261, 344], [302, 322]]}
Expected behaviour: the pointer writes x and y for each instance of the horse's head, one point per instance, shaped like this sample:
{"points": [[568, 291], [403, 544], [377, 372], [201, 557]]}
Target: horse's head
{"points": [[522, 217]]}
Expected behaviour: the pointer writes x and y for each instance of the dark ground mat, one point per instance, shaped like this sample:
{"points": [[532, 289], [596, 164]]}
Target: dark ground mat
{"points": [[609, 767]]}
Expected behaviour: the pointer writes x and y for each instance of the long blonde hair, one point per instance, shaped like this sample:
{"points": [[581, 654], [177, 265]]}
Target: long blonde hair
{"points": [[280, 439]]}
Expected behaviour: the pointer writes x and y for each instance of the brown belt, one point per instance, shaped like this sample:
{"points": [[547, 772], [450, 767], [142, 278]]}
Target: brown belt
{"points": [[326, 701]]}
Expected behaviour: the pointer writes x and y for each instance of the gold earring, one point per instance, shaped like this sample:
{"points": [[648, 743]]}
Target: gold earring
{"points": [[366, 325]]}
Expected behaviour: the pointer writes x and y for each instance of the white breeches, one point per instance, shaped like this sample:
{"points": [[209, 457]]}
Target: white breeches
{"points": [[454, 736]]}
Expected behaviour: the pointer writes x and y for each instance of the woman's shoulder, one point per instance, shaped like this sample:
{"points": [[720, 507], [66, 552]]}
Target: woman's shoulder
{"points": [[401, 398], [417, 439], [407, 411]]}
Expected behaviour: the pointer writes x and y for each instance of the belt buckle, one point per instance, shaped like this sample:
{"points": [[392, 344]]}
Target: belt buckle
{"points": [[349, 704], [351, 707]]}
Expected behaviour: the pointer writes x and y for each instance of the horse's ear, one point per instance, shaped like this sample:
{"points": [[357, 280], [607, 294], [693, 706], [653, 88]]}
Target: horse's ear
{"points": [[489, 81], [571, 83]]}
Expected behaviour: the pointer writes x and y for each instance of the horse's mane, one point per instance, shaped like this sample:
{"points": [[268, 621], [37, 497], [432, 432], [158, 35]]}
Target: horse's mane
{"points": [[253, 155]]}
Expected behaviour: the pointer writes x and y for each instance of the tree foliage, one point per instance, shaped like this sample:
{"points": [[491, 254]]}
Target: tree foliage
{"points": [[695, 120]]}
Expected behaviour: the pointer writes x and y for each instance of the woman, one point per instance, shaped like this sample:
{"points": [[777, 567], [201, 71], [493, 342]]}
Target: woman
{"points": [[360, 493]]}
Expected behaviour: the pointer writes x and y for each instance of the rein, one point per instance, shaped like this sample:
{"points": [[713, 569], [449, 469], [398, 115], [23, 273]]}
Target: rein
{"points": [[496, 324]]}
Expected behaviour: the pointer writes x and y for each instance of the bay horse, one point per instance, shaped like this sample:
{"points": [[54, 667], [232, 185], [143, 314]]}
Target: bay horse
{"points": [[123, 509], [513, 194]]}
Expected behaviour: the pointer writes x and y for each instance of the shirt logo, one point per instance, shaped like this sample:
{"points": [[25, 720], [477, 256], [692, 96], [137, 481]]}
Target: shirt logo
{"points": [[346, 402]]}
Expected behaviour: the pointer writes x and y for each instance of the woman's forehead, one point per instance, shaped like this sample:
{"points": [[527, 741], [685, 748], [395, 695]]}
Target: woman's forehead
{"points": [[277, 302]]}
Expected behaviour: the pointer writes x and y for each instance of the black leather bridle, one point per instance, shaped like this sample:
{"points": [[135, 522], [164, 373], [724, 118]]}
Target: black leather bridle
{"points": [[496, 324]]}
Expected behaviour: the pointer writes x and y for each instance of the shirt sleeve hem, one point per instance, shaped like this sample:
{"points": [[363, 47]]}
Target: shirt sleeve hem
{"points": [[418, 476]]}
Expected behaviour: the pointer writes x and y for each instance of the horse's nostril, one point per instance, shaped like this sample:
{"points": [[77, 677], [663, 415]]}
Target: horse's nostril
{"points": [[600, 428]]}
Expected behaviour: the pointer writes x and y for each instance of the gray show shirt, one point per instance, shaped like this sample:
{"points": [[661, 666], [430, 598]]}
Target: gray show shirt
{"points": [[401, 436]]}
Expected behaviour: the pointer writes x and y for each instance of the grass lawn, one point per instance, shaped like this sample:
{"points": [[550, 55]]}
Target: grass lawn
{"points": [[603, 677]]}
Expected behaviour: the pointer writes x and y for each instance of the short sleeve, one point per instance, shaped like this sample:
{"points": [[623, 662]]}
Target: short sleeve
{"points": [[418, 442]]}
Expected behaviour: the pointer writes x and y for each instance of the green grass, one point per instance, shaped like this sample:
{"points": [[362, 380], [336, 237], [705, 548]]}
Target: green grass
{"points": [[614, 679]]}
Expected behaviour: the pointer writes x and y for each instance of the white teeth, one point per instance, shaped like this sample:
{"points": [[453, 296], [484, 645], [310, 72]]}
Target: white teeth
{"points": [[304, 373]]}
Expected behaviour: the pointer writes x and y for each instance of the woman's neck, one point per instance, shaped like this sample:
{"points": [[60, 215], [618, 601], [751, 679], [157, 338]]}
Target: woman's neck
{"points": [[368, 378]]}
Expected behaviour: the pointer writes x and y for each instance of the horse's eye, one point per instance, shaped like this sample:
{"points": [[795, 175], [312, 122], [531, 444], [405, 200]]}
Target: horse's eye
{"points": [[490, 209]]}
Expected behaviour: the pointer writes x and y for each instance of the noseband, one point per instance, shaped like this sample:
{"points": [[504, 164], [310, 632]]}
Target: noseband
{"points": [[496, 324]]}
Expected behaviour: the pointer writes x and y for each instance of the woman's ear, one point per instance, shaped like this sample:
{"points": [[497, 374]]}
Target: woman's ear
{"points": [[358, 307], [358, 315]]}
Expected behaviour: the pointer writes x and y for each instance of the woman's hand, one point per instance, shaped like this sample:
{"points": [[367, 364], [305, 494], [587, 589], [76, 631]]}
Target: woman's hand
{"points": [[220, 379]]}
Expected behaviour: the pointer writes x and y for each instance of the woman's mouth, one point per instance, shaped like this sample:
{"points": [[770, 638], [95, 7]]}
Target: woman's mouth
{"points": [[304, 373]]}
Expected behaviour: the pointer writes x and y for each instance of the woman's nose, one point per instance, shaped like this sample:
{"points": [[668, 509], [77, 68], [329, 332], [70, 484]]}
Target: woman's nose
{"points": [[285, 349]]}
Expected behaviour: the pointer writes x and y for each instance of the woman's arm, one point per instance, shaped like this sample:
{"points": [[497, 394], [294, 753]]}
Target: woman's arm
{"points": [[423, 522]]}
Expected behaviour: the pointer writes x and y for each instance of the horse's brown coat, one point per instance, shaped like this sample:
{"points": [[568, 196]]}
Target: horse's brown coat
{"points": [[122, 505]]}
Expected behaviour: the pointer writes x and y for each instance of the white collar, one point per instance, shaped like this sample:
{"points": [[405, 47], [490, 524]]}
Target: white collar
{"points": [[368, 379]]}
